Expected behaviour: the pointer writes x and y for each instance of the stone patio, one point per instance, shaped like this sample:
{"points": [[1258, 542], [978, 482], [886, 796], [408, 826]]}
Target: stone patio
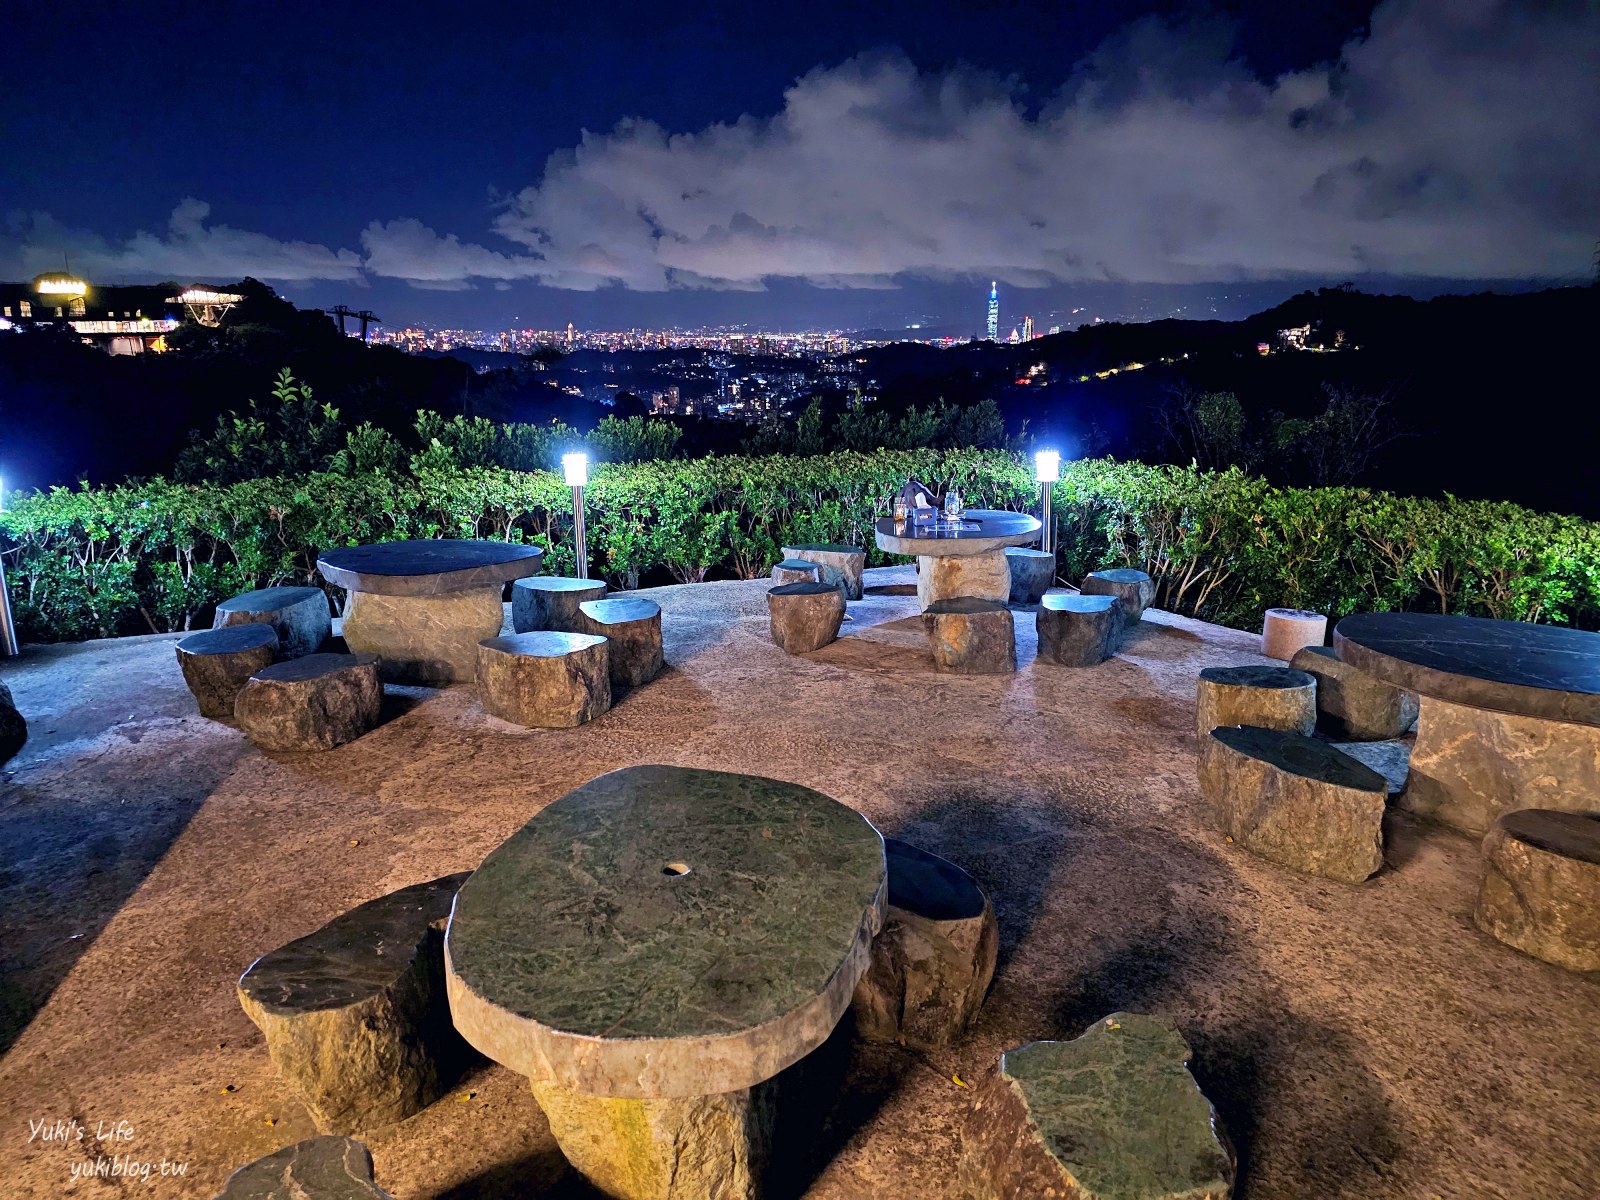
{"points": [[1357, 1041]]}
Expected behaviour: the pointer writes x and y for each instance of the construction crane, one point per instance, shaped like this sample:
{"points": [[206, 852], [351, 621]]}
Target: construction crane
{"points": [[364, 316]]}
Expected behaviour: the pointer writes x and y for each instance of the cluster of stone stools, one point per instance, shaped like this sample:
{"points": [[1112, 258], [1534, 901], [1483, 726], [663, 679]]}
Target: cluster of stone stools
{"points": [[1280, 787], [812, 584]]}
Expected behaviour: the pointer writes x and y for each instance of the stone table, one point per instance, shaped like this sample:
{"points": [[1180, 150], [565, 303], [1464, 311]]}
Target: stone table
{"points": [[960, 558], [651, 950], [1510, 715], [422, 607]]}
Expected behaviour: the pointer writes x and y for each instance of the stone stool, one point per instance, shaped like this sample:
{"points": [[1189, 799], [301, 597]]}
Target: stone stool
{"points": [[299, 616], [1352, 705], [971, 636], [634, 627], [1295, 801], [216, 663], [311, 703], [1541, 885], [13, 726], [1078, 631], [933, 963], [545, 679], [1268, 697], [1114, 1112], [796, 570], [551, 602], [355, 1014], [1135, 589], [322, 1168], [1287, 631], [805, 616], [1032, 573], [841, 565]]}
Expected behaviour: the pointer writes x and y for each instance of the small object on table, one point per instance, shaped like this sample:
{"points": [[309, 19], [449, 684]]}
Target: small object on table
{"points": [[423, 606], [1134, 588], [1541, 886], [217, 662], [805, 616], [841, 564], [312, 703], [969, 636], [634, 629], [551, 602], [545, 679], [796, 570], [321, 1168], [1287, 631], [1032, 573], [298, 615], [654, 947], [1352, 705], [1078, 631], [962, 558], [1267, 697]]}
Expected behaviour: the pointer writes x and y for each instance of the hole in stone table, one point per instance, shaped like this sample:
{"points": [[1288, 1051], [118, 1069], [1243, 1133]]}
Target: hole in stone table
{"points": [[675, 869]]}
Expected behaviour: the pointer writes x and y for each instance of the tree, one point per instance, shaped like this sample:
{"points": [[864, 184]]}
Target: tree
{"points": [[1338, 445], [292, 436], [1209, 428]]}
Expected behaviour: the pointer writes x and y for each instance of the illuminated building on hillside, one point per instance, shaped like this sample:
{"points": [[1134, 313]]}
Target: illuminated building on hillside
{"points": [[994, 310], [1027, 329]]}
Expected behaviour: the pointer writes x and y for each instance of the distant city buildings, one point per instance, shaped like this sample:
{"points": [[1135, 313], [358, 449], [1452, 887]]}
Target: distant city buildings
{"points": [[1027, 329], [994, 310]]}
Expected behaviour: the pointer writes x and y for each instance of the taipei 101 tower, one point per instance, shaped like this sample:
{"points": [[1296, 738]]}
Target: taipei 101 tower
{"points": [[994, 311]]}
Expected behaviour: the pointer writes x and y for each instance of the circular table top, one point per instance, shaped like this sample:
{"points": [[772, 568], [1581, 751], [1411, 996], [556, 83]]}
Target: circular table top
{"points": [[429, 567], [996, 530], [664, 932], [1507, 666]]}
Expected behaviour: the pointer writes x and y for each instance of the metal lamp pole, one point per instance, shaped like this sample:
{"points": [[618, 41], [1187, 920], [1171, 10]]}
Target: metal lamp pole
{"points": [[1047, 465], [576, 469], [8, 627]]}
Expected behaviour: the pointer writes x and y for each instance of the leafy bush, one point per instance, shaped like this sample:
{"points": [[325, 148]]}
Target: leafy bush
{"points": [[157, 556]]}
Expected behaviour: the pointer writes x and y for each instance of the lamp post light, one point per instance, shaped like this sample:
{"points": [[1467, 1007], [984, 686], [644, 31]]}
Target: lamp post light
{"points": [[8, 627], [1047, 469], [575, 467]]}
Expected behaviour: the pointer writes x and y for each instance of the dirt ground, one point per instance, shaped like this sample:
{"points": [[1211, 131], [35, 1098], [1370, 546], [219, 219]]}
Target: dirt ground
{"points": [[1357, 1041]]}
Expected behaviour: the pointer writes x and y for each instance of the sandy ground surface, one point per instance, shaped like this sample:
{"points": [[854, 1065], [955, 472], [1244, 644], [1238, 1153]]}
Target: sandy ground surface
{"points": [[1358, 1041]]}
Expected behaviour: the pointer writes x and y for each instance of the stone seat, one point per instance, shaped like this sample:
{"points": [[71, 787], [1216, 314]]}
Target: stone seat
{"points": [[805, 616], [1287, 631], [311, 703], [13, 726], [321, 1168], [355, 1014], [1541, 885], [298, 615], [1078, 631], [841, 565], [796, 570], [1134, 588], [1295, 801], [634, 628], [1353, 705], [969, 636], [545, 679], [1267, 697], [551, 602], [1032, 573], [216, 663], [1113, 1113], [934, 960]]}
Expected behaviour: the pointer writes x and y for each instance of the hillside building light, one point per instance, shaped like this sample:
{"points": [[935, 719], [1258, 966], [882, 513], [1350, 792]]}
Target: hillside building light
{"points": [[1047, 469], [575, 467], [8, 627]]}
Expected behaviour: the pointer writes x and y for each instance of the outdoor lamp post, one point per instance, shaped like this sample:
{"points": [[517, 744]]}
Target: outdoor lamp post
{"points": [[8, 627], [576, 469], [1047, 469]]}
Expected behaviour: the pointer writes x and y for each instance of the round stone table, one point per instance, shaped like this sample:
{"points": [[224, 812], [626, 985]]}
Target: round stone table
{"points": [[960, 558], [650, 950], [422, 607], [1510, 715]]}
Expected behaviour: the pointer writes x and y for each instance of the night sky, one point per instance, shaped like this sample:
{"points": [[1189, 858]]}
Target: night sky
{"points": [[799, 164]]}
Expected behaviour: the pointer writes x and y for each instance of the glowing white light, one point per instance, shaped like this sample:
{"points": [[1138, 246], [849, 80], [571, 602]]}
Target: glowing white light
{"points": [[61, 287], [1047, 465], [576, 468]]}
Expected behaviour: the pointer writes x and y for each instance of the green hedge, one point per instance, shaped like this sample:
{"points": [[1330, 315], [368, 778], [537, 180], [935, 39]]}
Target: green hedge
{"points": [[154, 557]]}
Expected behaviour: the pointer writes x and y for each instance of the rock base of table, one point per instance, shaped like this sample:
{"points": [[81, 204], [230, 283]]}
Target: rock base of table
{"points": [[216, 664], [1032, 573], [298, 615], [969, 636], [1133, 588], [355, 1015], [1078, 631], [1541, 886], [311, 703], [1470, 765], [551, 602], [805, 616], [323, 1168], [431, 640], [1352, 705], [933, 963], [1266, 697], [1295, 801], [545, 679], [695, 1148], [841, 565], [985, 576], [634, 629], [13, 726], [1114, 1112]]}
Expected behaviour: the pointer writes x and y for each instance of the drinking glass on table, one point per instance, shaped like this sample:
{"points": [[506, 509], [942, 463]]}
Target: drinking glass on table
{"points": [[952, 504], [900, 510]]}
